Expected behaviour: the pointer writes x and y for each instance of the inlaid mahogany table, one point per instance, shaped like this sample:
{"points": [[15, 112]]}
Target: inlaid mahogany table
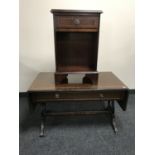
{"points": [[106, 88]]}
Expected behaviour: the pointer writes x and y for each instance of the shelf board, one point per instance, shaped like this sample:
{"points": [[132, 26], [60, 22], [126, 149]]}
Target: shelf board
{"points": [[75, 69]]}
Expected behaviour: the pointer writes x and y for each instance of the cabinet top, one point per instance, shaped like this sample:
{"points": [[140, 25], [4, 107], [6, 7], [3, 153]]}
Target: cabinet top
{"points": [[75, 11]]}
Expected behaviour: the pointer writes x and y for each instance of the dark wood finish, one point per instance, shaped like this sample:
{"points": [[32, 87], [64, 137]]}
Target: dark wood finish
{"points": [[61, 78], [90, 78], [74, 113], [77, 30], [85, 95], [76, 49], [124, 100], [57, 11], [76, 40], [107, 87], [77, 22], [45, 82]]}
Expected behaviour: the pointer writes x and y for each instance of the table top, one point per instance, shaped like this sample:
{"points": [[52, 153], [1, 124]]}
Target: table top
{"points": [[45, 81]]}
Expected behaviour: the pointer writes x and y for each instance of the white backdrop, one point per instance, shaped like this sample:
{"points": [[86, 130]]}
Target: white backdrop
{"points": [[116, 41]]}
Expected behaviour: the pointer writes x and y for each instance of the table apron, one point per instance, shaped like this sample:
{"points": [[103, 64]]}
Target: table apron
{"points": [[79, 96]]}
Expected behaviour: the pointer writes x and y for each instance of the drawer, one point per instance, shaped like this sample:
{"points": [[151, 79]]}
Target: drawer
{"points": [[76, 22], [85, 95]]}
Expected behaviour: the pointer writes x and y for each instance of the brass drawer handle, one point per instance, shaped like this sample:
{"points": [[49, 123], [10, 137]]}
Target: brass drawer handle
{"points": [[57, 96], [76, 21]]}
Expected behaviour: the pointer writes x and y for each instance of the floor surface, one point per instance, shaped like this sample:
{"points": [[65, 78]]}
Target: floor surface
{"points": [[79, 135]]}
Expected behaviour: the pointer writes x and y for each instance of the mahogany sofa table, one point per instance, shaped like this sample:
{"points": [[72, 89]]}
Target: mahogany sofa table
{"points": [[107, 89]]}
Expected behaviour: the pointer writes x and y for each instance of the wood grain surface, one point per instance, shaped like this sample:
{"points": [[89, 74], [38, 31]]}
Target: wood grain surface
{"points": [[106, 81]]}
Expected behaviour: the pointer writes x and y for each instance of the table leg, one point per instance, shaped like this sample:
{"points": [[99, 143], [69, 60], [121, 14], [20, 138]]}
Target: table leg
{"points": [[114, 124], [42, 126], [112, 107]]}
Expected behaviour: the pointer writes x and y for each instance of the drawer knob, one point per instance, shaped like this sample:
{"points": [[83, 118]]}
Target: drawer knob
{"points": [[101, 95], [57, 95], [76, 21]]}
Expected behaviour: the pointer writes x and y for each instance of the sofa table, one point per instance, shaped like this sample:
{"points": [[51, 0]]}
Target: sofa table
{"points": [[108, 88]]}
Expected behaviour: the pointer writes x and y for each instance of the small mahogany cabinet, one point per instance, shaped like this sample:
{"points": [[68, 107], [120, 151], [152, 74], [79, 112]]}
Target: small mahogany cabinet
{"points": [[76, 36]]}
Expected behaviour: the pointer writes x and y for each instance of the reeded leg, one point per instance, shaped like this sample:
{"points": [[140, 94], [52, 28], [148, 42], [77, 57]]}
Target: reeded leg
{"points": [[113, 116], [42, 126], [114, 123]]}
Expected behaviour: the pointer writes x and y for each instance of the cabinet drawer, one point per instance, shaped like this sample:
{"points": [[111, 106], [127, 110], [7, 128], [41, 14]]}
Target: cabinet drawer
{"points": [[76, 22], [100, 95]]}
